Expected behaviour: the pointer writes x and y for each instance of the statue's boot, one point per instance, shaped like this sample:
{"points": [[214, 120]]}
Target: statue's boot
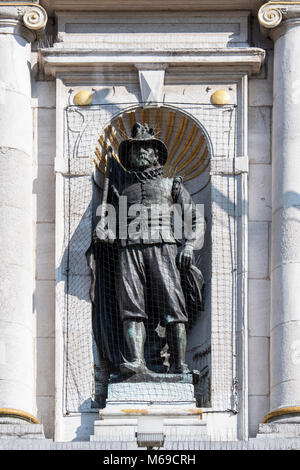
{"points": [[176, 339], [135, 336]]}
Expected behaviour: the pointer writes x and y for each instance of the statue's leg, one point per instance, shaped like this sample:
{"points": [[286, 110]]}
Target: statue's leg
{"points": [[176, 338], [130, 284], [135, 336]]}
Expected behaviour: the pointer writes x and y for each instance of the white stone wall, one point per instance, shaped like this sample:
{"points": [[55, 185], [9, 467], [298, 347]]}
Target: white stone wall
{"points": [[43, 189], [260, 216]]}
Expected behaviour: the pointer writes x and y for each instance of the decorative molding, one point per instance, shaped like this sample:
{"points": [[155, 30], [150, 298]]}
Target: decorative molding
{"points": [[29, 14], [272, 14], [35, 18], [151, 84], [56, 60], [151, 5], [288, 410], [19, 414]]}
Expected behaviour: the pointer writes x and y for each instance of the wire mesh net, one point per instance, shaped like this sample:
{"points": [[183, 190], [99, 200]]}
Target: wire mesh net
{"points": [[139, 282]]}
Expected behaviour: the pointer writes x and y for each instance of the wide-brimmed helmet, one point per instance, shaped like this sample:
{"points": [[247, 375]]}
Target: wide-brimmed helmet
{"points": [[141, 133]]}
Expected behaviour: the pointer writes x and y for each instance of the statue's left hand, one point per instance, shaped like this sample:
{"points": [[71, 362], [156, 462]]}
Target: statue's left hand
{"points": [[185, 258]]}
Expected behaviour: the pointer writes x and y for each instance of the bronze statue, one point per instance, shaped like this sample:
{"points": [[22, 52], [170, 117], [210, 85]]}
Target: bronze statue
{"points": [[147, 267]]}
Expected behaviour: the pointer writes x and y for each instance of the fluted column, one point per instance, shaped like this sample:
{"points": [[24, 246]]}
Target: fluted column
{"points": [[281, 21], [20, 23]]}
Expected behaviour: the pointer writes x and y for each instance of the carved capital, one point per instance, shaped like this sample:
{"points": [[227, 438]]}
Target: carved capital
{"points": [[273, 14], [27, 14]]}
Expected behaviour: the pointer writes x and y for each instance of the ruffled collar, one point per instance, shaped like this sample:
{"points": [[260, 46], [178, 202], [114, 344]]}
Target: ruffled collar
{"points": [[149, 174]]}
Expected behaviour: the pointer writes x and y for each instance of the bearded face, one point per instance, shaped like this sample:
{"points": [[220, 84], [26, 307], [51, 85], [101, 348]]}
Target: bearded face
{"points": [[142, 156]]}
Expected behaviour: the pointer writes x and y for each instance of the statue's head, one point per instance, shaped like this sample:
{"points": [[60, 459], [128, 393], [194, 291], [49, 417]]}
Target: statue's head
{"points": [[143, 151]]}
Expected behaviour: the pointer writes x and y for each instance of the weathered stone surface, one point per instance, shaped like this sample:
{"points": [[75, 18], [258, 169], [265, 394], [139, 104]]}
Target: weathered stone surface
{"points": [[16, 244], [21, 431], [259, 134], [258, 250], [260, 182], [258, 366], [45, 120], [46, 414], [282, 430], [259, 406], [45, 241], [44, 191], [194, 444], [285, 248], [45, 366], [259, 307], [44, 306], [150, 392]]}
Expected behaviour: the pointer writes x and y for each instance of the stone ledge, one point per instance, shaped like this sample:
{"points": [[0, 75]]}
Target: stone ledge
{"points": [[201, 444], [70, 59]]}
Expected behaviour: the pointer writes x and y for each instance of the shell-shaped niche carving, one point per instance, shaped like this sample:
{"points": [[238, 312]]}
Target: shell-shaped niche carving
{"points": [[188, 151]]}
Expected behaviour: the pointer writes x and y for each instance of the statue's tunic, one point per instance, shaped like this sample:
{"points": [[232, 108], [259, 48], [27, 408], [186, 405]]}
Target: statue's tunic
{"points": [[147, 257]]}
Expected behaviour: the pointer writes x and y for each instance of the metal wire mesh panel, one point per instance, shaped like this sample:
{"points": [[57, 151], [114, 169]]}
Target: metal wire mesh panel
{"points": [[193, 135]]}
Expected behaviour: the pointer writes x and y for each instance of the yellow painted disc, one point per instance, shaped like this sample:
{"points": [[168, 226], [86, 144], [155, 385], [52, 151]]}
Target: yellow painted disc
{"points": [[83, 98], [220, 97]]}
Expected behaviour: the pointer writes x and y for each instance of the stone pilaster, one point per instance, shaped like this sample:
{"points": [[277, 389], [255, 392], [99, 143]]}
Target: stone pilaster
{"points": [[20, 24], [281, 21]]}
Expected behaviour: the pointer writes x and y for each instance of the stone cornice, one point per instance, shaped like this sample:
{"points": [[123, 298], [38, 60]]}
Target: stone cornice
{"points": [[55, 60], [30, 15], [274, 14], [151, 5]]}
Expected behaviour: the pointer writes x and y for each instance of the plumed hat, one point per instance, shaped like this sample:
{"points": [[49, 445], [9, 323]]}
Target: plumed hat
{"points": [[142, 133]]}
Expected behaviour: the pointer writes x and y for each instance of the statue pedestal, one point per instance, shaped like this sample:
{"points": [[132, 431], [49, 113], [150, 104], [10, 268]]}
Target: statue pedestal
{"points": [[160, 403]]}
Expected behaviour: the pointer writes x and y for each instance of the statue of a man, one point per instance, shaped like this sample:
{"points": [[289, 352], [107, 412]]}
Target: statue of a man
{"points": [[148, 263]]}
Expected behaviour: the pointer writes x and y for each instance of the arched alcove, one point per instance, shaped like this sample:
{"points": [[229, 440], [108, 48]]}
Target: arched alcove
{"points": [[189, 154], [202, 143]]}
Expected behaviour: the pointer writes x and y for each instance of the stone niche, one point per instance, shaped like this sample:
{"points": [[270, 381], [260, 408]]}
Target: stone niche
{"points": [[214, 137]]}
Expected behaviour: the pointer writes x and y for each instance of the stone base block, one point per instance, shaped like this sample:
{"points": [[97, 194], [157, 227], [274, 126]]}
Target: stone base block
{"points": [[178, 423], [153, 407], [158, 404], [151, 392], [278, 430], [21, 431]]}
